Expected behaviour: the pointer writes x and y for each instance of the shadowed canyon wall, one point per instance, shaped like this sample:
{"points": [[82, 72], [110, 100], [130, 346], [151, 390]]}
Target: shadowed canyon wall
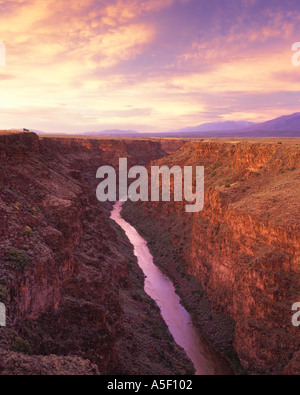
{"points": [[66, 270]]}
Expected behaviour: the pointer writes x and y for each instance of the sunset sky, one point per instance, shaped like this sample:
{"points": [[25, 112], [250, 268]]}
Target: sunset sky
{"points": [[146, 65]]}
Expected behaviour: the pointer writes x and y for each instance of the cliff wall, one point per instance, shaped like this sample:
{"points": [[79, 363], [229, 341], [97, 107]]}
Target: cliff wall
{"points": [[66, 271], [243, 248]]}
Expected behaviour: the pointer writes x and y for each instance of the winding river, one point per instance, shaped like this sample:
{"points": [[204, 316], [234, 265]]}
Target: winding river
{"points": [[161, 289]]}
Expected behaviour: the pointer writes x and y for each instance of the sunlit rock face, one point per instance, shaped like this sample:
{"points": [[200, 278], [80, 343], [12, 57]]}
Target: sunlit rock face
{"points": [[244, 247]]}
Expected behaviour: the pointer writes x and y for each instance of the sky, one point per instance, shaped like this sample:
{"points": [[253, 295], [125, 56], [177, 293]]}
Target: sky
{"points": [[146, 65]]}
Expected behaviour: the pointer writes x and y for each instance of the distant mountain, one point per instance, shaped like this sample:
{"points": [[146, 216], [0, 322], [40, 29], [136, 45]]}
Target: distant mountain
{"points": [[286, 126], [287, 123], [215, 126]]}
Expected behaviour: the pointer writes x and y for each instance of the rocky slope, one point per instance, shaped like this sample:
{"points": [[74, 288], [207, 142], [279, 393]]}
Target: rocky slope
{"points": [[64, 267], [240, 255]]}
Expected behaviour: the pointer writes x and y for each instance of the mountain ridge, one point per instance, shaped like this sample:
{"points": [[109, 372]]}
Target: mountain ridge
{"points": [[284, 126]]}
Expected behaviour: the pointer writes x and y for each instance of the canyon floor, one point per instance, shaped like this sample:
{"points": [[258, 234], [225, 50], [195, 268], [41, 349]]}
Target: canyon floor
{"points": [[73, 289]]}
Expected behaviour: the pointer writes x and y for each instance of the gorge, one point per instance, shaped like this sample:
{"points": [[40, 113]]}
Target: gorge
{"points": [[178, 320], [71, 283]]}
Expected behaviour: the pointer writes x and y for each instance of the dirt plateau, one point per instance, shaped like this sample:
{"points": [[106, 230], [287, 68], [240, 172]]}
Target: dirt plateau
{"points": [[71, 284]]}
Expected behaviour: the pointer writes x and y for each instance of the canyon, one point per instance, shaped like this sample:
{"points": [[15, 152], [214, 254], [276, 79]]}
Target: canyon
{"points": [[74, 292]]}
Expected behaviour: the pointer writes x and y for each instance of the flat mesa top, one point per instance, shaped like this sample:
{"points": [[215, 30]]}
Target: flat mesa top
{"points": [[7, 132], [257, 140], [251, 140]]}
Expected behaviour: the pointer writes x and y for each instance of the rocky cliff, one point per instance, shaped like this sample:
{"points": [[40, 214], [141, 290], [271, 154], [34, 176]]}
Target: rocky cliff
{"points": [[65, 270], [242, 249]]}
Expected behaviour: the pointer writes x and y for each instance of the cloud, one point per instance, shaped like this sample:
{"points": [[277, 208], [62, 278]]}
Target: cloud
{"points": [[123, 11], [133, 63], [120, 44]]}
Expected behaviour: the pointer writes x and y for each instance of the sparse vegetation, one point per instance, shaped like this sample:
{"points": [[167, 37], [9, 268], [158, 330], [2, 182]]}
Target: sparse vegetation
{"points": [[19, 258], [21, 346], [137, 297], [3, 294], [28, 232], [17, 206]]}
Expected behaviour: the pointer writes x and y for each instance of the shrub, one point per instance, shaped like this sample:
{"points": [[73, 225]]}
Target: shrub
{"points": [[17, 206], [227, 186], [293, 168], [19, 259], [137, 297], [28, 232], [3, 294], [21, 346]]}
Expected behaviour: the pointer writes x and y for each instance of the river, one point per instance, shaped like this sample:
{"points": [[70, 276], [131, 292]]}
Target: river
{"points": [[161, 289]]}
